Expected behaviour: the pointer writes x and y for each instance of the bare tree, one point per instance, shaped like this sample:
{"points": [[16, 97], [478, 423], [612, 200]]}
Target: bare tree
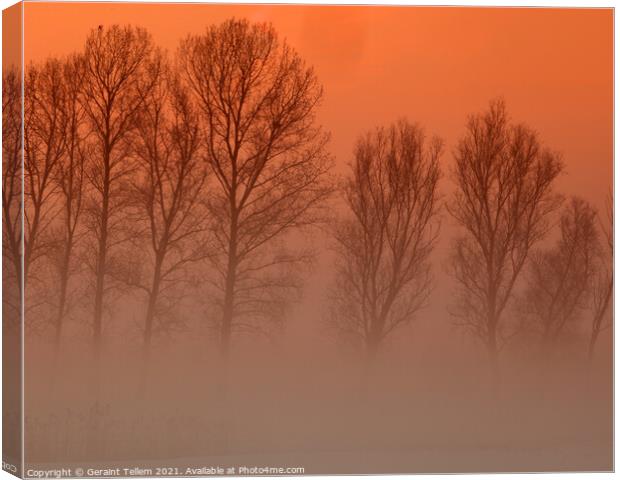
{"points": [[11, 194], [258, 103], [503, 199], [385, 242], [44, 146], [169, 194], [116, 61], [603, 282], [559, 278], [12, 293], [69, 183]]}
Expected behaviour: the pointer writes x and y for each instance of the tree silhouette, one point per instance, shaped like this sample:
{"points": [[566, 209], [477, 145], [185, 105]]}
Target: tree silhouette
{"points": [[603, 282], [12, 293], [11, 198], [169, 194], [503, 199], [385, 242], [44, 146], [258, 103], [68, 178], [559, 277], [11, 195], [116, 62]]}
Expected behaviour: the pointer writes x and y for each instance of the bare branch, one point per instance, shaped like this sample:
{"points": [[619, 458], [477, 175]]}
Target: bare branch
{"points": [[385, 243], [503, 200], [258, 101]]}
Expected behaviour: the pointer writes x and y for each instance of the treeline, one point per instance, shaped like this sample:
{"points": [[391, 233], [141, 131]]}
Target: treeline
{"points": [[146, 172]]}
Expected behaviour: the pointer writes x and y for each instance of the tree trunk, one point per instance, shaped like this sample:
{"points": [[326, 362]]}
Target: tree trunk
{"points": [[229, 294], [101, 260], [226, 333], [371, 349], [17, 262], [228, 309], [30, 246], [598, 319], [100, 282], [148, 325], [62, 303], [592, 344], [493, 354], [99, 286], [227, 317]]}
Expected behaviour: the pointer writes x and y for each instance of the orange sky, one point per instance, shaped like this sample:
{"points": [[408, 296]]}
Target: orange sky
{"points": [[433, 65]]}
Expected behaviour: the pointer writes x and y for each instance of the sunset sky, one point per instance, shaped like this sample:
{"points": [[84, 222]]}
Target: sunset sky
{"points": [[432, 65]]}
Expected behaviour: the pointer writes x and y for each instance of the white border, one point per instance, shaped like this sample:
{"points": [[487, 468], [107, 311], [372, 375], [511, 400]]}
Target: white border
{"points": [[472, 3]]}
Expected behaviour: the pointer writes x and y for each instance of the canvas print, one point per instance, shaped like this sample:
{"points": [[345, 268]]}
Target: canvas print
{"points": [[305, 240]]}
